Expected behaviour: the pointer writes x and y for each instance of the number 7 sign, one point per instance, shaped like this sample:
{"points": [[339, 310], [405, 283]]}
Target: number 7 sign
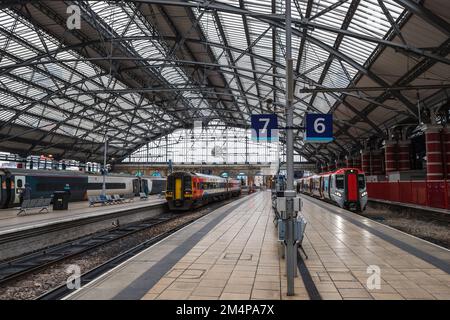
{"points": [[319, 127], [264, 127]]}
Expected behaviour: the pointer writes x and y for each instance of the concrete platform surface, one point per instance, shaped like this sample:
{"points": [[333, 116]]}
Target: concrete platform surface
{"points": [[233, 253], [10, 222]]}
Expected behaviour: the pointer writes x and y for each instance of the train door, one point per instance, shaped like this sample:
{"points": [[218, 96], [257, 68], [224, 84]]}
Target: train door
{"points": [[136, 187], [329, 186], [325, 187], [19, 182], [178, 184], [144, 186], [6, 191], [352, 186], [2, 191], [321, 187]]}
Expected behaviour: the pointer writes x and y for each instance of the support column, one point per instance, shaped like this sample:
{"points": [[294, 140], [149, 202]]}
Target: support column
{"points": [[365, 161], [331, 166], [434, 153], [446, 141], [357, 162], [376, 162], [404, 162], [349, 162], [390, 158]]}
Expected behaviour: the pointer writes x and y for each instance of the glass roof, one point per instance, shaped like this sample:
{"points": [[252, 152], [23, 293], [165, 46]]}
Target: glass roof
{"points": [[137, 71]]}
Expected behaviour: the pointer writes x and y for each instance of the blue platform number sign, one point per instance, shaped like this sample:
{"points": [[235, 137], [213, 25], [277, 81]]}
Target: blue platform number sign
{"points": [[264, 127], [319, 127]]}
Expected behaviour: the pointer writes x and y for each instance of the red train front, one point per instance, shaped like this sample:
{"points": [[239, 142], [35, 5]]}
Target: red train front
{"points": [[186, 190], [345, 187]]}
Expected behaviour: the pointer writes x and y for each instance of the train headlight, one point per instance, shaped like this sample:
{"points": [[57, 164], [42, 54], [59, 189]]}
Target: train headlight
{"points": [[338, 194], [364, 194]]}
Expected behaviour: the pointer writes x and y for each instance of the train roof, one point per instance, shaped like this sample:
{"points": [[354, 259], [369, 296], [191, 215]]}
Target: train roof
{"points": [[209, 176], [343, 170], [69, 173], [338, 171], [202, 175]]}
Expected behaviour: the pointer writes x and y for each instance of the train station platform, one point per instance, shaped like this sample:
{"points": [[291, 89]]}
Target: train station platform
{"points": [[233, 253], [10, 222], [33, 231]]}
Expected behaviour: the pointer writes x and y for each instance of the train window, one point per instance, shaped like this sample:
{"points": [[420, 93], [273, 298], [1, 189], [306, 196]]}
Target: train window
{"points": [[187, 183], [339, 181], [170, 183], [19, 183], [99, 186], [361, 181]]}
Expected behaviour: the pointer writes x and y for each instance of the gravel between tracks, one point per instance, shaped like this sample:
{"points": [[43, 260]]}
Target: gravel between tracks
{"points": [[41, 281], [428, 229]]}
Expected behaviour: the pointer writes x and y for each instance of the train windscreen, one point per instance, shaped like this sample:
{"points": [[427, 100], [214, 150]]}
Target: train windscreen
{"points": [[361, 182], [136, 186], [187, 183], [339, 181]]}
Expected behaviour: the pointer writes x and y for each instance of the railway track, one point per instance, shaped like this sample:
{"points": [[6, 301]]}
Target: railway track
{"points": [[18, 267], [40, 261], [63, 290]]}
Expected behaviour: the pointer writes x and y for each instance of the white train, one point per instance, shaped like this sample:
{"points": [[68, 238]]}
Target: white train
{"points": [[82, 185], [345, 187]]}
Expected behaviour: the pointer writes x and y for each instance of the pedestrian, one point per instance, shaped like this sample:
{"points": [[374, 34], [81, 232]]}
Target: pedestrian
{"points": [[21, 191], [26, 193], [67, 191], [67, 188], [66, 196]]}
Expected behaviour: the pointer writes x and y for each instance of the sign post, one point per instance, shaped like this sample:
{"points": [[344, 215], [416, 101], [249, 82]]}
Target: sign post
{"points": [[289, 193], [104, 172], [318, 129]]}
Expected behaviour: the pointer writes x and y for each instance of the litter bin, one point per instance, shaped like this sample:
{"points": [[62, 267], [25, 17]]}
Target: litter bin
{"points": [[60, 200]]}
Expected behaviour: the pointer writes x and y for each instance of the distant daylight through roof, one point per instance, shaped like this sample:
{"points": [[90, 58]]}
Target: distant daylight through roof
{"points": [[76, 73]]}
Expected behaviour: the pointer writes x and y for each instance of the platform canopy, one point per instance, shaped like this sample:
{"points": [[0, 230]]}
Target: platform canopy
{"points": [[137, 70]]}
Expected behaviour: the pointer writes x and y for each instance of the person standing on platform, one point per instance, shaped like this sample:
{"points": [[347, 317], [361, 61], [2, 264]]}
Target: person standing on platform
{"points": [[67, 190], [146, 189], [26, 193]]}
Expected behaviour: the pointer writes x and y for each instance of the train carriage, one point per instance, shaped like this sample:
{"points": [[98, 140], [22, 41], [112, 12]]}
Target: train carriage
{"points": [[345, 187], [186, 190], [44, 183]]}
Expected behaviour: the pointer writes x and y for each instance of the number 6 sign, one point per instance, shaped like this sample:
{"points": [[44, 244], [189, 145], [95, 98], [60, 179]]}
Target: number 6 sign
{"points": [[319, 127]]}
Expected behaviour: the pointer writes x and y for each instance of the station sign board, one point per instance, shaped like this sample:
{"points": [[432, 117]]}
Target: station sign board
{"points": [[319, 128], [264, 127], [307, 166]]}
